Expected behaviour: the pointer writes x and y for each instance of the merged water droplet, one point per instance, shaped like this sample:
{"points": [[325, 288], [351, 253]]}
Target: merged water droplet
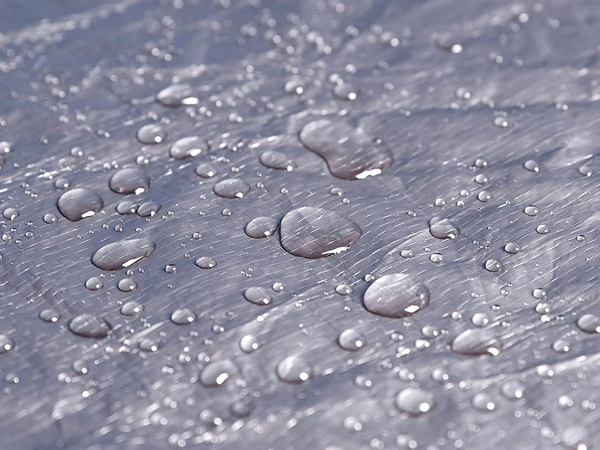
{"points": [[294, 369], [414, 401], [442, 228], [258, 296], [90, 326], [218, 372], [151, 134], [476, 342], [79, 203], [276, 160], [349, 151], [231, 188], [131, 180], [396, 295], [188, 147], [261, 227], [316, 233], [177, 95], [122, 254]]}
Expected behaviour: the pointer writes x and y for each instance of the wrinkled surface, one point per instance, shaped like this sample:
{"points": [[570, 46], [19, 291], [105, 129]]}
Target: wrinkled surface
{"points": [[487, 107]]}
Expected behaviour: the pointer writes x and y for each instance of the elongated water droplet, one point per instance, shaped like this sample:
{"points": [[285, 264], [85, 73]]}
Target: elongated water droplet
{"points": [[122, 254], [232, 188], [177, 95], [414, 401], [351, 340], [476, 342], [218, 372], [349, 151], [90, 326], [131, 180], [148, 209], [590, 323], [396, 295], [276, 160], [77, 204], [346, 91], [442, 228], [512, 248], [316, 233], [261, 227], [206, 262], [188, 147]]}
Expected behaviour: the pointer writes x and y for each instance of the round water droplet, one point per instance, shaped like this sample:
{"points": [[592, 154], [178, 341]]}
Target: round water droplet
{"points": [[218, 372], [590, 323], [6, 344], [276, 160], [484, 196], [351, 340], [443, 228], [177, 95], [480, 163], [512, 248], [62, 183], [10, 213], [261, 227], [231, 188], [188, 147], [483, 402], [346, 91], [542, 229], [476, 342], [127, 207], [493, 265], [531, 165], [183, 316], [131, 308], [414, 401], [206, 262], [512, 390], [343, 289], [148, 209], [50, 218], [481, 179], [77, 204], [294, 369], [585, 171], [50, 315], [350, 153], [539, 293], [151, 134], [258, 296], [94, 284], [561, 346], [316, 233], [126, 285], [396, 295], [531, 210], [122, 254], [436, 258], [249, 343], [206, 170], [480, 320], [90, 326], [501, 122], [131, 180]]}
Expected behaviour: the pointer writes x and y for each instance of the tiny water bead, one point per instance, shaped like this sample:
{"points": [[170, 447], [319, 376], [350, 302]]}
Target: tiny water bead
{"points": [[188, 147], [351, 340], [123, 254], [442, 228], [276, 160], [151, 134], [218, 372], [414, 401], [350, 153], [294, 369], [261, 227], [206, 262], [589, 323], [396, 295], [258, 296], [231, 188], [317, 233], [183, 316], [89, 326], [6, 344], [94, 284], [127, 285], [177, 95], [531, 166], [206, 170], [476, 342], [130, 180], [79, 203]]}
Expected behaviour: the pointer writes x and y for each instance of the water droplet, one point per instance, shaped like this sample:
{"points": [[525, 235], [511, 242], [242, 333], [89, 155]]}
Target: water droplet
{"points": [[346, 91], [481, 179], [122, 254], [62, 183], [476, 342], [539, 293], [316, 233], [531, 210], [343, 289], [206, 262], [542, 229], [276, 160], [501, 122], [127, 207], [493, 265], [50, 218], [50, 315], [531, 165], [94, 284], [148, 209], [177, 95], [407, 253], [396, 295], [351, 340], [77, 204], [590, 323], [350, 153], [10, 213], [261, 227], [480, 320], [414, 401], [258, 296], [294, 369], [436, 258], [585, 171], [561, 346], [188, 147], [126, 285], [512, 248], [231, 188], [443, 228], [183, 316], [90, 326], [206, 170], [6, 344], [512, 390], [218, 372], [483, 402], [484, 196], [151, 134], [131, 180], [131, 308], [249, 343]]}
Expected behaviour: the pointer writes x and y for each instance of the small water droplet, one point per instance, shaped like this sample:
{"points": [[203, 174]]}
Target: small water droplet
{"points": [[542, 229], [94, 284], [90, 326], [294, 369], [590, 323], [6, 344], [512, 390], [131, 180], [206, 262], [493, 265], [231, 188], [206, 170], [585, 171], [148, 209], [261, 227], [346, 91], [131, 308], [531, 165], [126, 285], [476, 342], [483, 402], [151, 134], [50, 218], [50, 315], [10, 213], [276, 160], [441, 228], [531, 210], [249, 343], [258, 296], [414, 401], [177, 95], [218, 372], [351, 340], [396, 295], [188, 147], [512, 248], [183, 316]]}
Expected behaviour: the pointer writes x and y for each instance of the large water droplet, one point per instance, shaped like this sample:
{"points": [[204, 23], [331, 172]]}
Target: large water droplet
{"points": [[177, 95], [217, 372], [590, 323], [476, 342], [188, 147], [119, 255], [90, 326], [232, 188], [396, 295], [316, 233], [77, 204], [294, 369], [131, 180], [414, 401], [261, 227], [441, 228], [350, 153]]}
